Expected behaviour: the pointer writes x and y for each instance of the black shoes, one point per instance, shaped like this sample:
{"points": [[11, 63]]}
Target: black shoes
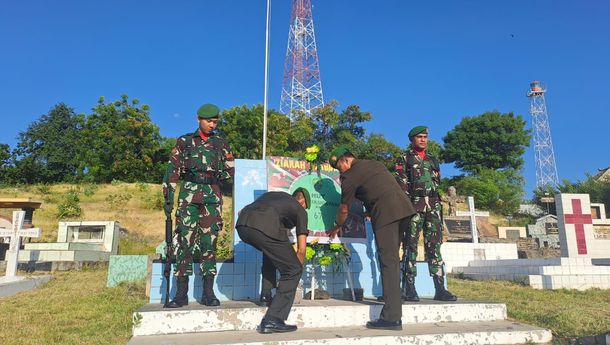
{"points": [[265, 299], [441, 293], [182, 288], [208, 298], [273, 325], [383, 324]]}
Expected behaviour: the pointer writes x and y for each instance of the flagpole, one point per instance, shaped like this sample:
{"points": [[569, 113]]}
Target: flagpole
{"points": [[266, 81]]}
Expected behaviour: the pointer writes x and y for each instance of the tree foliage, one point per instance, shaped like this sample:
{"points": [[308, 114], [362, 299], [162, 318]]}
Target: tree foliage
{"points": [[48, 150], [491, 140], [120, 142], [500, 191]]}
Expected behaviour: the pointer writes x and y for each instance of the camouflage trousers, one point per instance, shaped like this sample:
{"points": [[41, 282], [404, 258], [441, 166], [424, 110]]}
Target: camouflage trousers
{"points": [[197, 226], [431, 225]]}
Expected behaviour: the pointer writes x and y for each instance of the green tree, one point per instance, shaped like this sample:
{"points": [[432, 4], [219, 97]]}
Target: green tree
{"points": [[500, 191], [48, 150], [491, 140], [242, 127], [376, 147], [122, 143], [5, 161], [598, 190]]}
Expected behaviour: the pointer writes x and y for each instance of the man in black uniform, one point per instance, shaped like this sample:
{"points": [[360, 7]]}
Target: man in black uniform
{"points": [[265, 224], [370, 182]]}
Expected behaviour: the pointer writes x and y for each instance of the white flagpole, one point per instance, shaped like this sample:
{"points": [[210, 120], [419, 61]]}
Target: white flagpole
{"points": [[266, 81]]}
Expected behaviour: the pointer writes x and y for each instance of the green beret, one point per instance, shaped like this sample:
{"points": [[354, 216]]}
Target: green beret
{"points": [[208, 111], [336, 154], [305, 194], [417, 130]]}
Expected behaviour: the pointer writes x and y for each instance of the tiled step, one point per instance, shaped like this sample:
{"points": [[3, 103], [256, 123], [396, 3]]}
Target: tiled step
{"points": [[456, 333], [152, 319]]}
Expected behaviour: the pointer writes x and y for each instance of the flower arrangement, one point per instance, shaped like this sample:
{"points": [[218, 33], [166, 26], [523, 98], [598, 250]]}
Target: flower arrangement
{"points": [[315, 157], [326, 254]]}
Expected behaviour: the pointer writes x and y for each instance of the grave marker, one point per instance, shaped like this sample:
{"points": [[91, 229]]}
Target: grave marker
{"points": [[15, 233], [473, 214]]}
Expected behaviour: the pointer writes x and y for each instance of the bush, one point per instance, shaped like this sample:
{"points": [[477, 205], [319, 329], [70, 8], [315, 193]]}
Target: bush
{"points": [[154, 201], [90, 189], [43, 188], [142, 187], [69, 207], [116, 200]]}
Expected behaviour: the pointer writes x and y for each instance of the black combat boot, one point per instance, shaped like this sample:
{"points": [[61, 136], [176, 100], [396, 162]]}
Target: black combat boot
{"points": [[442, 294], [182, 289], [208, 298], [408, 288]]}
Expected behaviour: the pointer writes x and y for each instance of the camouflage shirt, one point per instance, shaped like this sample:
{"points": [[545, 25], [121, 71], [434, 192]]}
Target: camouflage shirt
{"points": [[199, 164], [419, 178]]}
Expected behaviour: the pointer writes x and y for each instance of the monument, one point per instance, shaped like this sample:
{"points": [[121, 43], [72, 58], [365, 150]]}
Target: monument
{"points": [[238, 283], [77, 242], [585, 253]]}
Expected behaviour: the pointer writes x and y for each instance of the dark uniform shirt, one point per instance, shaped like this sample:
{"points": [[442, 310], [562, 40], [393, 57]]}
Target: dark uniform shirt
{"points": [[370, 182], [274, 214]]}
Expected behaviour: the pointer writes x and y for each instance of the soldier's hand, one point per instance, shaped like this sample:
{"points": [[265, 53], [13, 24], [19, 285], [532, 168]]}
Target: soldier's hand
{"points": [[334, 231]]}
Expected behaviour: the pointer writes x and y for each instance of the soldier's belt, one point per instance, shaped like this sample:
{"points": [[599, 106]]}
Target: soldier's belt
{"points": [[201, 179]]}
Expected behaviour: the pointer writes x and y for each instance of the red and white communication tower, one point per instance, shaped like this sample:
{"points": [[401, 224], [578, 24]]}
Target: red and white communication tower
{"points": [[302, 86]]}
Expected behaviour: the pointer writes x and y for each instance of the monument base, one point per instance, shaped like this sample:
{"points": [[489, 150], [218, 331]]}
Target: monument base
{"points": [[547, 273], [13, 285], [334, 322]]}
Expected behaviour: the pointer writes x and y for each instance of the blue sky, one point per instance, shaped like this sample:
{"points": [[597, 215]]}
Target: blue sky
{"points": [[406, 62]]}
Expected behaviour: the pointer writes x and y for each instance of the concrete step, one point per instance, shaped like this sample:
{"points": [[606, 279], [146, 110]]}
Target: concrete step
{"points": [[152, 319], [481, 332]]}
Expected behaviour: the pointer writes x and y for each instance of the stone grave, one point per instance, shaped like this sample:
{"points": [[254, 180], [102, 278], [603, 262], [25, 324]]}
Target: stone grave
{"points": [[513, 233], [332, 321], [10, 283], [545, 231], [77, 242], [585, 253]]}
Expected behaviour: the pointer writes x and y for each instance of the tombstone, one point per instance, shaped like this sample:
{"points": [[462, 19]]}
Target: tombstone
{"points": [[546, 231], [601, 224], [452, 199], [15, 233], [576, 231], [77, 241], [473, 214], [512, 232], [459, 229]]}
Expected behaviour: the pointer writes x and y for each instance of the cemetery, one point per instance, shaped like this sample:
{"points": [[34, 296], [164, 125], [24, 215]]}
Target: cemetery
{"points": [[150, 153]]}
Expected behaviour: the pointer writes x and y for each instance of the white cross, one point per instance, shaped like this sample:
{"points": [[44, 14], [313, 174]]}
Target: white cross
{"points": [[472, 213], [15, 234]]}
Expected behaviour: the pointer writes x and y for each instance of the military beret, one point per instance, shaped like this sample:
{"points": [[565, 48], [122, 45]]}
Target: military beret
{"points": [[336, 154], [417, 130], [208, 111], [305, 194]]}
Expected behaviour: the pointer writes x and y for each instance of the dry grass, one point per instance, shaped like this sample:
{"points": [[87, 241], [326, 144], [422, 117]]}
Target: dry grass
{"points": [[73, 308], [135, 205], [568, 313]]}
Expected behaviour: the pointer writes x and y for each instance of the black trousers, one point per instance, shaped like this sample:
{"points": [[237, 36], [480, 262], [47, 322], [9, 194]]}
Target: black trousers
{"points": [[387, 238], [282, 256], [268, 271]]}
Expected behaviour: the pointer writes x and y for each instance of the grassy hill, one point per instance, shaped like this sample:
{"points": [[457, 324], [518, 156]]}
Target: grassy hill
{"points": [[137, 206]]}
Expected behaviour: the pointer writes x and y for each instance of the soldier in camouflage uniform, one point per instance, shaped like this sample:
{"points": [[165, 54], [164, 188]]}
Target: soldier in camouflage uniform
{"points": [[202, 160], [418, 174]]}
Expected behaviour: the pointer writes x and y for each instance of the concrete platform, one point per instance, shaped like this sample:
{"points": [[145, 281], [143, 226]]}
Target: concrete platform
{"points": [[547, 273], [245, 315], [62, 255], [14, 285], [482, 332]]}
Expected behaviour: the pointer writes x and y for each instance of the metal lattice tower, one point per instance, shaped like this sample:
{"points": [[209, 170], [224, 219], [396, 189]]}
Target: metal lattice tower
{"points": [[302, 86], [546, 170]]}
